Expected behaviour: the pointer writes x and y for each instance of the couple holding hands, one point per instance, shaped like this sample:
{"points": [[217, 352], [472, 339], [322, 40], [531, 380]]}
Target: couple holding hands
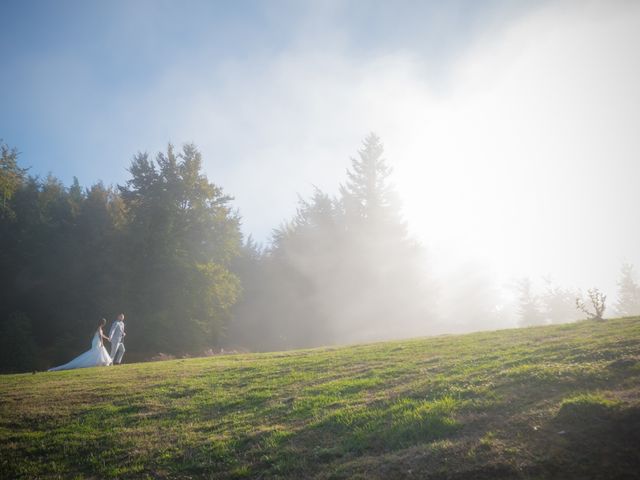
{"points": [[98, 355]]}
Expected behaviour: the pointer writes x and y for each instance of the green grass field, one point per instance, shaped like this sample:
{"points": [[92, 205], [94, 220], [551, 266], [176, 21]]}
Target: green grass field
{"points": [[549, 402]]}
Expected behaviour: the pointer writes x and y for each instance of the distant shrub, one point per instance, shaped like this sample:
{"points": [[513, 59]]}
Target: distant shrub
{"points": [[598, 302]]}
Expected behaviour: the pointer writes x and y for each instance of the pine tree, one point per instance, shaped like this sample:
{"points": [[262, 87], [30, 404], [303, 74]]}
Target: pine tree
{"points": [[343, 269], [528, 305], [368, 198], [386, 292], [628, 302]]}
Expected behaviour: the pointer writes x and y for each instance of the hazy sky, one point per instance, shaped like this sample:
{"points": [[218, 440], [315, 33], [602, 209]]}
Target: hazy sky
{"points": [[513, 127]]}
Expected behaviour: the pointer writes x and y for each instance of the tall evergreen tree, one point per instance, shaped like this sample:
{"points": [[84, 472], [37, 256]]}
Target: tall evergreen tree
{"points": [[628, 301], [344, 269], [528, 305], [368, 198], [386, 267]]}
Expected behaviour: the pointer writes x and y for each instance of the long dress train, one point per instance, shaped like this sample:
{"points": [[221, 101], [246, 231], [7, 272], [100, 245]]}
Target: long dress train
{"points": [[97, 356]]}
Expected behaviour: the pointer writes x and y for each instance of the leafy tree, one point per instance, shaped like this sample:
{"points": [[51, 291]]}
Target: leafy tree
{"points": [[598, 304], [158, 248], [285, 287], [45, 262], [558, 303], [99, 236], [11, 177], [305, 260], [247, 328], [628, 302], [182, 237]]}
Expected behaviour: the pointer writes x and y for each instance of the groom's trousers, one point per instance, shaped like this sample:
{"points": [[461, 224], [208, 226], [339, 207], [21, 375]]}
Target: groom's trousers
{"points": [[117, 351]]}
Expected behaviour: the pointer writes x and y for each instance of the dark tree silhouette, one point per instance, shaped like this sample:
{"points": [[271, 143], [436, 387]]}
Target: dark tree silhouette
{"points": [[181, 239], [158, 248]]}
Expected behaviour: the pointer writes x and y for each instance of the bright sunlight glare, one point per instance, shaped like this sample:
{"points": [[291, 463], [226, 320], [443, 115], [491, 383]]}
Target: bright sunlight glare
{"points": [[512, 166]]}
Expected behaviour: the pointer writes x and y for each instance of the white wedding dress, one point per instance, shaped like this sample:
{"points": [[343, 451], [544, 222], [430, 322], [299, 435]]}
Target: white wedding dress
{"points": [[96, 357]]}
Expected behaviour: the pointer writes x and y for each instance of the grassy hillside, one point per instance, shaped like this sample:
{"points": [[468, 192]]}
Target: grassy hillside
{"points": [[549, 402]]}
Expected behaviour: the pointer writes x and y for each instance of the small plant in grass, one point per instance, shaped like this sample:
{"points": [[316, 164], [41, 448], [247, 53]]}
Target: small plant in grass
{"points": [[487, 441], [598, 302]]}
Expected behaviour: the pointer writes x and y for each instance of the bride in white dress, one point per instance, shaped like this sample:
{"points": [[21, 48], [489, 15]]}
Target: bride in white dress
{"points": [[97, 356]]}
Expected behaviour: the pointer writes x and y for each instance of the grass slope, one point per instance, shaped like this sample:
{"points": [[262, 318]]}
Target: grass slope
{"points": [[549, 402]]}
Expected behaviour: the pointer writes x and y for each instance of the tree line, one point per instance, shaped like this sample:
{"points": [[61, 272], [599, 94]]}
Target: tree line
{"points": [[344, 269], [158, 247], [166, 248], [556, 304]]}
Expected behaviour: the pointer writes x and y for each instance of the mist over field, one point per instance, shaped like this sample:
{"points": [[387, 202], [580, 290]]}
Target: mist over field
{"points": [[320, 239], [514, 151]]}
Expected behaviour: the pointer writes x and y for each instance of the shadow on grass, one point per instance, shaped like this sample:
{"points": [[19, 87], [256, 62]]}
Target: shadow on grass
{"points": [[592, 437]]}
